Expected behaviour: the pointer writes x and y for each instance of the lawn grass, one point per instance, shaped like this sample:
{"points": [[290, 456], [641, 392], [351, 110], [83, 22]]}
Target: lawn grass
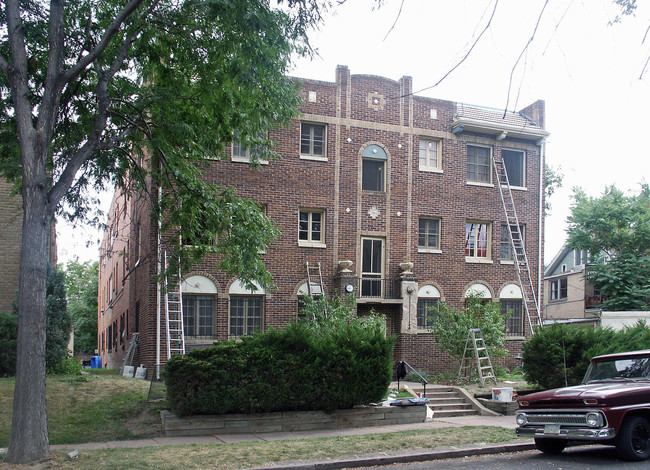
{"points": [[89, 408], [256, 454]]}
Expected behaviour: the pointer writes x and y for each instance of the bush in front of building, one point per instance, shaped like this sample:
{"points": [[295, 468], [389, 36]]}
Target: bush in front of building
{"points": [[8, 337], [298, 368], [558, 355]]}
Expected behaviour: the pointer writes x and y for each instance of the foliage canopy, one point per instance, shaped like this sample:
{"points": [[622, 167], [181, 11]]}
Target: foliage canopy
{"points": [[615, 229]]}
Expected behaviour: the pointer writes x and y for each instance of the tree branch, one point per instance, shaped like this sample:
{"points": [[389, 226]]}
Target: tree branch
{"points": [[530, 40], [487, 26]]}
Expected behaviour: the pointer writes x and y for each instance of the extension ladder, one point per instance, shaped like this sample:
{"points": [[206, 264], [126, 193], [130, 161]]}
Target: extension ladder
{"points": [[174, 312], [531, 306]]}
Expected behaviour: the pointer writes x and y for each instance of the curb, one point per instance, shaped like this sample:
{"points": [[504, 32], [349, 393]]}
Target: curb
{"points": [[381, 459]]}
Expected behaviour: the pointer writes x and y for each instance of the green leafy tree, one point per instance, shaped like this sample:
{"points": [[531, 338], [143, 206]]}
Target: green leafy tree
{"points": [[553, 178], [615, 229], [81, 290], [322, 314], [452, 325], [8, 335], [96, 92], [59, 324]]}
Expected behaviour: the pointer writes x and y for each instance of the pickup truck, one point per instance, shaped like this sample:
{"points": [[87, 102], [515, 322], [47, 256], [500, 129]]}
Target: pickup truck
{"points": [[611, 406]]}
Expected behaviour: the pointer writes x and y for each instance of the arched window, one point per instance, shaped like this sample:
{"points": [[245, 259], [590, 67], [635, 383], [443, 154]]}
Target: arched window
{"points": [[512, 304], [428, 298], [373, 170], [246, 309], [199, 307], [480, 291]]}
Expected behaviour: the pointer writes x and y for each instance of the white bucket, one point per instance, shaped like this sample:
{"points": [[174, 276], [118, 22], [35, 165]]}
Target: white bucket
{"points": [[502, 394]]}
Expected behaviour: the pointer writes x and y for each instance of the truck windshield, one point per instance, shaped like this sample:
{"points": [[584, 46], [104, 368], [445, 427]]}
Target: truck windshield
{"points": [[613, 369]]}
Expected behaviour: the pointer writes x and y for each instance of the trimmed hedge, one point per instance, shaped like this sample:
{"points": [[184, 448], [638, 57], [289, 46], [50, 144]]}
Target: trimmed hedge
{"points": [[283, 370], [561, 351]]}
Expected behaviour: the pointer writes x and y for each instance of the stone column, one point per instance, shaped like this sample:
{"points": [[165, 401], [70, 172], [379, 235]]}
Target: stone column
{"points": [[409, 295], [346, 280]]}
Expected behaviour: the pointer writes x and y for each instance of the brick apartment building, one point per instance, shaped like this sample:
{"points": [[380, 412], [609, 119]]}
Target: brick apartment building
{"points": [[11, 230], [393, 194]]}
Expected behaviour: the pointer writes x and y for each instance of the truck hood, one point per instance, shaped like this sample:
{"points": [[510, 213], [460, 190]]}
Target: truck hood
{"points": [[606, 392]]}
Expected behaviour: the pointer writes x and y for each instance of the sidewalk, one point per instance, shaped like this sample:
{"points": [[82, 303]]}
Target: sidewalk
{"points": [[503, 421]]}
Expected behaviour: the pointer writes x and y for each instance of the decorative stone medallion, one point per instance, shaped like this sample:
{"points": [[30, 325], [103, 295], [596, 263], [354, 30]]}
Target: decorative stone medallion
{"points": [[376, 101], [373, 212]]}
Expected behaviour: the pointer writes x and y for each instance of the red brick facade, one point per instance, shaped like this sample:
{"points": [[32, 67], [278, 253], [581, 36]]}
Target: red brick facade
{"points": [[377, 121]]}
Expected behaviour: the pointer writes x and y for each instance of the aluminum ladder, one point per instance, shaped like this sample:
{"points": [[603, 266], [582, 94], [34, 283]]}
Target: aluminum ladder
{"points": [[314, 280], [476, 352], [531, 305], [174, 312], [127, 360]]}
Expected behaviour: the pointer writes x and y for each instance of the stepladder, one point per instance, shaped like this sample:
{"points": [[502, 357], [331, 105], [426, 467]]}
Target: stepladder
{"points": [[127, 360], [314, 280], [476, 357]]}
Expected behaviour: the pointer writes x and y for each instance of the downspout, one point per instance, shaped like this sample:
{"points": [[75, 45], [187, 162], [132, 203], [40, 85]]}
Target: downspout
{"points": [[158, 289], [540, 267]]}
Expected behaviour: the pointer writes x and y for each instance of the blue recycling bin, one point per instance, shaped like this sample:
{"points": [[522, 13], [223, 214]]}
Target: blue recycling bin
{"points": [[96, 362]]}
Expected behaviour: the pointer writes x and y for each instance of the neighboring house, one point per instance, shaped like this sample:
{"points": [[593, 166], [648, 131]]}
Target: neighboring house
{"points": [[11, 229], [568, 296], [393, 194]]}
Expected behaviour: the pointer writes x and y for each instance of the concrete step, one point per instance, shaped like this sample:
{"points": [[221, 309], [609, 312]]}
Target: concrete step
{"points": [[450, 406], [453, 413]]}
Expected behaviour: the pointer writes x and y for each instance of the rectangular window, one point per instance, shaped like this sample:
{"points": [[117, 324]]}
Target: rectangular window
{"points": [[246, 313], [426, 318], [514, 162], [559, 289], [311, 227], [240, 153], [429, 155], [198, 315], [580, 257], [506, 247], [478, 164], [373, 174], [515, 323], [429, 234], [477, 240], [312, 140]]}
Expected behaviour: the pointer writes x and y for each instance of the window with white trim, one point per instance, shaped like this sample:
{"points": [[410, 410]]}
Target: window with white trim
{"points": [[312, 140], [429, 155], [373, 168], [199, 320], [246, 314], [514, 162], [515, 321], [559, 289], [507, 253], [428, 234], [477, 240], [311, 227], [242, 154], [428, 299], [479, 165]]}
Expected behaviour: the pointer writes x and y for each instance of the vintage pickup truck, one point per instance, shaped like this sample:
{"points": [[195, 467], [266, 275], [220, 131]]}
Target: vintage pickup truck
{"points": [[612, 406]]}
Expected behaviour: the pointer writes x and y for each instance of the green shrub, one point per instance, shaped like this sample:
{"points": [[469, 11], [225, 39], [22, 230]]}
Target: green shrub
{"points": [[8, 335], [69, 366], [559, 355], [299, 368]]}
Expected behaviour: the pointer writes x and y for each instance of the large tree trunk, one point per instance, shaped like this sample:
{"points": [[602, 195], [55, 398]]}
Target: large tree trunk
{"points": [[29, 439]]}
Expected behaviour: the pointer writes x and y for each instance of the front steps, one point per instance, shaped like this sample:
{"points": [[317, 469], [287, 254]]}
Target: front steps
{"points": [[450, 401]]}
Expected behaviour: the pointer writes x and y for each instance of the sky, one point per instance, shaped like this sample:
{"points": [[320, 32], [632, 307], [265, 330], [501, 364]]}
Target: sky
{"points": [[585, 69]]}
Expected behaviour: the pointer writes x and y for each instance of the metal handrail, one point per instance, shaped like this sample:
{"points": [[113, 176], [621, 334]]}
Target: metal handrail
{"points": [[402, 367]]}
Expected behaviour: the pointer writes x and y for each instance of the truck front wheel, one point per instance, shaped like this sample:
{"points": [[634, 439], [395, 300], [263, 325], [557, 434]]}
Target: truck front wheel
{"points": [[550, 446], [633, 440]]}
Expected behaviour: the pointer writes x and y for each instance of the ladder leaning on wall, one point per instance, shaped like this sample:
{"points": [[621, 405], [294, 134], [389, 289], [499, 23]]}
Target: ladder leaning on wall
{"points": [[531, 305], [173, 312]]}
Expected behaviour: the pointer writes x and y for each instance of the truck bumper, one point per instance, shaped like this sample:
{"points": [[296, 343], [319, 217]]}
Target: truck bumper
{"points": [[569, 433]]}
